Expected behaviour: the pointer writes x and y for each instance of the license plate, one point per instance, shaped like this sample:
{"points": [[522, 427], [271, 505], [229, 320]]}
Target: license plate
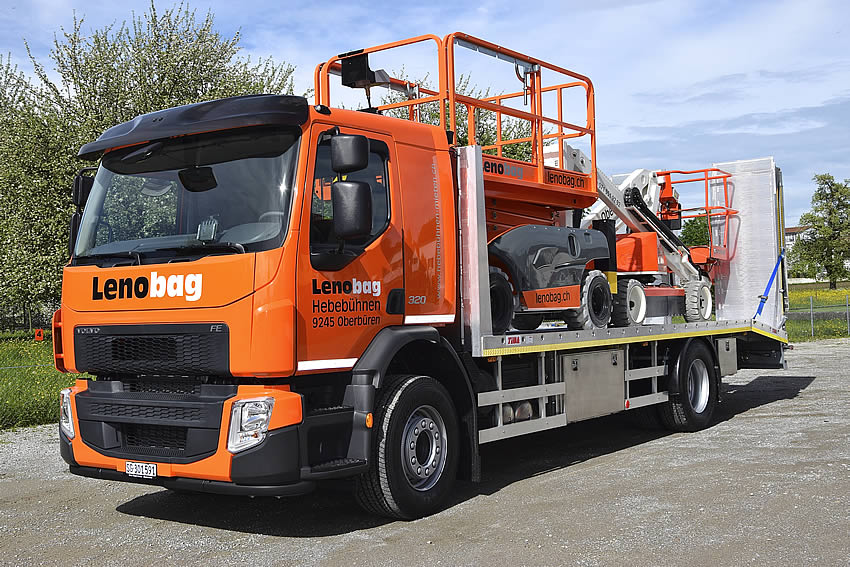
{"points": [[141, 470]]}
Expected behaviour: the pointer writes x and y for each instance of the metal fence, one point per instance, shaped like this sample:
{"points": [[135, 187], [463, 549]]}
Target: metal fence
{"points": [[834, 314], [25, 317]]}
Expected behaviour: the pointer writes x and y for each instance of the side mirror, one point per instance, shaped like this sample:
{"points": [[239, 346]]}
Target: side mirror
{"points": [[82, 187], [349, 153], [73, 231], [352, 206]]}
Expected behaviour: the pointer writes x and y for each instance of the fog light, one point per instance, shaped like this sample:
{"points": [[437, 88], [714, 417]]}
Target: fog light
{"points": [[66, 421], [249, 422]]}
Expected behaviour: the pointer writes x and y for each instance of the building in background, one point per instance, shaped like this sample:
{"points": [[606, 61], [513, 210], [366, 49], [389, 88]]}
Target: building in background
{"points": [[792, 235]]}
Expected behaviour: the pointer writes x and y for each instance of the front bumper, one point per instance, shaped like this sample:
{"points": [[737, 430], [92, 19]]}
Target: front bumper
{"points": [[270, 469], [106, 415]]}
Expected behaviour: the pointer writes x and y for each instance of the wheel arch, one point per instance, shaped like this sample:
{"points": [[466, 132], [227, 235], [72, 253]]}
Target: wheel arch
{"points": [[677, 351], [421, 350]]}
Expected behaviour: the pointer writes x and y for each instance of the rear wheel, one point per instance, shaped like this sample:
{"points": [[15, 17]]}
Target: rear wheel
{"points": [[691, 409], [596, 301], [629, 307], [414, 457], [698, 301]]}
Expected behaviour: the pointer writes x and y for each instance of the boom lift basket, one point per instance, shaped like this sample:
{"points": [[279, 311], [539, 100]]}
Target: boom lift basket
{"points": [[716, 188]]}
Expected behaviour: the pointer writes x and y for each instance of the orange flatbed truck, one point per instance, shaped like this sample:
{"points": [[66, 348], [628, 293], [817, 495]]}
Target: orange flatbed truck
{"points": [[266, 294]]}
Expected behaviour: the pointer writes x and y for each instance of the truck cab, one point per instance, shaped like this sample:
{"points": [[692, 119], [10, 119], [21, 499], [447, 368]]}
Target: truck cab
{"points": [[216, 306]]}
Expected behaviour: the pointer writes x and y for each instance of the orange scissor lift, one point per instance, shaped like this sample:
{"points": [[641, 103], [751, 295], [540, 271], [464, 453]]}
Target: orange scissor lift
{"points": [[527, 191]]}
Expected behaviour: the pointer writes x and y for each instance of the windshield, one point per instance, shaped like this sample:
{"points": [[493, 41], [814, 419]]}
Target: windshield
{"points": [[215, 193]]}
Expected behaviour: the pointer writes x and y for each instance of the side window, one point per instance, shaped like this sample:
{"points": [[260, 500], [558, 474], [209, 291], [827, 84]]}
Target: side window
{"points": [[322, 236]]}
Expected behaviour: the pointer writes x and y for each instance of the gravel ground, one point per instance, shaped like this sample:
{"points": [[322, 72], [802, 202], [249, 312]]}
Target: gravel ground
{"points": [[768, 483]]}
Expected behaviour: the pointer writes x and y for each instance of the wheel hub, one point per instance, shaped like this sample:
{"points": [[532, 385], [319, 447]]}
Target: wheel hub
{"points": [[424, 448], [637, 304], [698, 386]]}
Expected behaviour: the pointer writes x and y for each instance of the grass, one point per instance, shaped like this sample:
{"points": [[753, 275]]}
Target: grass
{"points": [[801, 331], [823, 299], [29, 395], [799, 296], [20, 335]]}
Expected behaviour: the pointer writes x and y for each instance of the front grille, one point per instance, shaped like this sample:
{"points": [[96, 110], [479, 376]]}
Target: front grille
{"points": [[163, 385], [163, 413], [191, 349], [154, 440], [144, 348]]}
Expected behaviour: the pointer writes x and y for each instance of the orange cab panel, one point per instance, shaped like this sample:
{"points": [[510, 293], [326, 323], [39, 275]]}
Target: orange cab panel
{"points": [[212, 281]]}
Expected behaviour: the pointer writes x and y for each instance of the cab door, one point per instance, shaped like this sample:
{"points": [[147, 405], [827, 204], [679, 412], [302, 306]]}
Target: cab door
{"points": [[347, 291]]}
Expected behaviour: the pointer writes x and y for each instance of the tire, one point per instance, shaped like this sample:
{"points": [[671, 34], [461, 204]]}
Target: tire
{"points": [[692, 408], [527, 321], [393, 486], [629, 307], [501, 301], [596, 301], [698, 300]]}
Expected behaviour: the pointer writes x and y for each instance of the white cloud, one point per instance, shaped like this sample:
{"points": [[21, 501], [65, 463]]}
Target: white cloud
{"points": [[669, 74]]}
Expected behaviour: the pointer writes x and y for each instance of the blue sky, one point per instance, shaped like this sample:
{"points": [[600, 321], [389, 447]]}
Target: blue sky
{"points": [[679, 84]]}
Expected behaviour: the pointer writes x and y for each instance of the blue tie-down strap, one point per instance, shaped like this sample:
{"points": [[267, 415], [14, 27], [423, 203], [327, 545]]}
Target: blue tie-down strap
{"points": [[763, 298]]}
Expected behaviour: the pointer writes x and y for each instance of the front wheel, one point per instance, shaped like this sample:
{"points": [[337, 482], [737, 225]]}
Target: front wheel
{"points": [[414, 456], [596, 302]]}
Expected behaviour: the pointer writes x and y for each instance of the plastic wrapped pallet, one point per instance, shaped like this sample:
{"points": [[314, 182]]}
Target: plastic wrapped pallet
{"points": [[755, 238]]}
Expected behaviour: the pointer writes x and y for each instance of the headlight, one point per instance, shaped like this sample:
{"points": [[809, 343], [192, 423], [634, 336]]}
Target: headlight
{"points": [[249, 422], [66, 421]]}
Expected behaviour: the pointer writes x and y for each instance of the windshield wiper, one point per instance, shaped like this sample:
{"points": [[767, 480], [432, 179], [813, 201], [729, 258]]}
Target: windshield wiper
{"points": [[132, 254], [199, 247]]}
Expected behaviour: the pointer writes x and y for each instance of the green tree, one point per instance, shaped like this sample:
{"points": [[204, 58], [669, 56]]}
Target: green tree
{"points": [[107, 76], [800, 266], [826, 244], [695, 232]]}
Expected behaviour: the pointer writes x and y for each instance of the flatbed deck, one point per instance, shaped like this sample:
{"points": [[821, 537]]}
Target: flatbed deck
{"points": [[559, 338]]}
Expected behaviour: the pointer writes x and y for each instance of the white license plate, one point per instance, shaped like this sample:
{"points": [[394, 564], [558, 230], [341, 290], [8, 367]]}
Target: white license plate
{"points": [[141, 470]]}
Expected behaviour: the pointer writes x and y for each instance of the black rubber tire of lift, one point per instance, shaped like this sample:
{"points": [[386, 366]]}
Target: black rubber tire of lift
{"points": [[621, 315], [501, 301], [693, 295], [527, 321], [582, 318]]}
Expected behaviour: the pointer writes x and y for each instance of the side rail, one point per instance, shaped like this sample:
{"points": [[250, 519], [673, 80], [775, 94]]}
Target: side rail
{"points": [[546, 126]]}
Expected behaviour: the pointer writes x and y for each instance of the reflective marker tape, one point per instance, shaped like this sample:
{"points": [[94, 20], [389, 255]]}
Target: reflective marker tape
{"points": [[429, 319], [325, 364]]}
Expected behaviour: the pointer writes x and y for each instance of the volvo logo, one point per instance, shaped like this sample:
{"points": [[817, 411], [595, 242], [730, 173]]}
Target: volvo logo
{"points": [[87, 330]]}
